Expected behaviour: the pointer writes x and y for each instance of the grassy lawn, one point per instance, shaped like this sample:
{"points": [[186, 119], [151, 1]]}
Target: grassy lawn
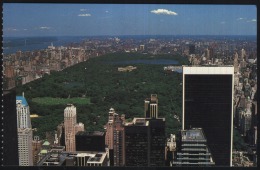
{"points": [[57, 101]]}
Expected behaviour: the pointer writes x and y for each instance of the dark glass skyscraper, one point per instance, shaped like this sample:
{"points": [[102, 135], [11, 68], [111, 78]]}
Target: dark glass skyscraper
{"points": [[208, 104], [157, 141], [137, 145], [145, 137]]}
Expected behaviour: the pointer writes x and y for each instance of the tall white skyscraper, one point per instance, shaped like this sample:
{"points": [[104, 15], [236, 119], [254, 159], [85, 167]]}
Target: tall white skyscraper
{"points": [[24, 132]]}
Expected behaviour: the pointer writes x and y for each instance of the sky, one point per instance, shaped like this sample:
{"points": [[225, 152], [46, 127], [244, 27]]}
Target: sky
{"points": [[127, 19]]}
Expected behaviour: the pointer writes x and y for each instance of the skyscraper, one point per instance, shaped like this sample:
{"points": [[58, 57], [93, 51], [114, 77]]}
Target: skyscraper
{"points": [[109, 128], [151, 107], [243, 54], [119, 141], [157, 141], [115, 138], [24, 132], [236, 68], [156, 131], [137, 145], [23, 113], [71, 127], [145, 137], [208, 104]]}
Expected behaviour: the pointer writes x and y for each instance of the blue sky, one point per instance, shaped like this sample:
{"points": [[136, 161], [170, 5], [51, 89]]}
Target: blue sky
{"points": [[127, 19]]}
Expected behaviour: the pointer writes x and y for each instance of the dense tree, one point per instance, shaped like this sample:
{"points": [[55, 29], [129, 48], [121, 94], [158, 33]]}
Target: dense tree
{"points": [[99, 80]]}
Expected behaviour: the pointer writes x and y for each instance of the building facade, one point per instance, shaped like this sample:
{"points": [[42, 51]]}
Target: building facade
{"points": [[151, 107], [208, 104], [157, 141], [110, 128], [36, 148], [115, 138], [71, 127], [24, 132], [90, 141], [137, 145], [193, 149], [119, 141]]}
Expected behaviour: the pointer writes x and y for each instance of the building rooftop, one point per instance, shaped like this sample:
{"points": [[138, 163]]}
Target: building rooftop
{"points": [[193, 134], [53, 159], [140, 122], [94, 157], [94, 133], [24, 102]]}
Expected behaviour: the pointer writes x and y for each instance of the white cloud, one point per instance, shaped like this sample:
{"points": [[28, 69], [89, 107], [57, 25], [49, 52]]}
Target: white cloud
{"points": [[106, 11], [12, 29], [164, 12], [222, 22], [25, 29], [82, 10], [84, 15], [252, 20], [240, 18], [45, 28]]}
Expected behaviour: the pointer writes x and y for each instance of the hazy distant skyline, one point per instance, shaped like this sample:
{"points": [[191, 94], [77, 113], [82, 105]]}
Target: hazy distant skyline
{"points": [[127, 19]]}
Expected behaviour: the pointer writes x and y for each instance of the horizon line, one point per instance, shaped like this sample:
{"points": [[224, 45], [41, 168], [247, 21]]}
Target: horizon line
{"points": [[126, 35]]}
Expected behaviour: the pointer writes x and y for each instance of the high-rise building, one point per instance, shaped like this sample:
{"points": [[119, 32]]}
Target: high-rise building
{"points": [[115, 138], [151, 107], [137, 145], [207, 54], [23, 113], [24, 132], [25, 147], [36, 148], [170, 150], [243, 54], [208, 104], [145, 137], [236, 68], [156, 131], [119, 141], [8, 120], [245, 122], [71, 127], [192, 149], [90, 141], [157, 141], [109, 128]]}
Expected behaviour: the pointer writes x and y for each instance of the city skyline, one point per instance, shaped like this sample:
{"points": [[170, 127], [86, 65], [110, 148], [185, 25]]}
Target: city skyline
{"points": [[127, 19]]}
